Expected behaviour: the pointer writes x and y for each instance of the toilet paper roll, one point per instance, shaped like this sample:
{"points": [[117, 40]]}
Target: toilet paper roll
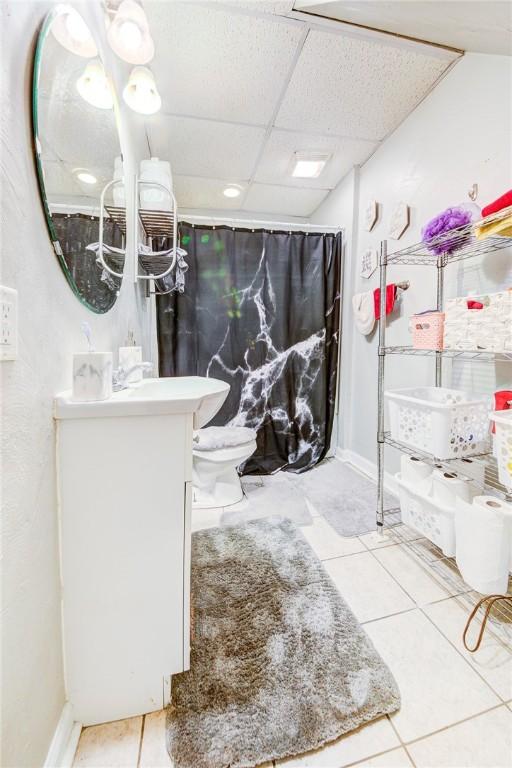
{"points": [[449, 486], [474, 469], [413, 469], [495, 505], [483, 533]]}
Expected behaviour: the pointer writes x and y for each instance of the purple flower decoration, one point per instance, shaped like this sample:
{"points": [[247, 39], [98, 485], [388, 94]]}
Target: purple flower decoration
{"points": [[432, 233]]}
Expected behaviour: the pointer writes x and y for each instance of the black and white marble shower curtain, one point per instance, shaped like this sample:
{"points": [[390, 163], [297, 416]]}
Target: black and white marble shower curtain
{"points": [[75, 232], [261, 311]]}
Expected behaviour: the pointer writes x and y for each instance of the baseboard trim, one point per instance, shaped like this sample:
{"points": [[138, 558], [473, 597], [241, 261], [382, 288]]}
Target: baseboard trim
{"points": [[367, 467], [65, 740]]}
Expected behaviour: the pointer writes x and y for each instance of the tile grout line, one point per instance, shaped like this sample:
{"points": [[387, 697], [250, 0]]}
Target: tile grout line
{"points": [[141, 739], [462, 655], [421, 608], [422, 611], [370, 757], [502, 703], [388, 616], [402, 742], [338, 557], [459, 722]]}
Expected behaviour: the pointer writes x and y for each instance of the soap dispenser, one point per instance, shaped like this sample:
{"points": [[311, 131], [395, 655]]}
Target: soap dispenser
{"points": [[131, 355]]}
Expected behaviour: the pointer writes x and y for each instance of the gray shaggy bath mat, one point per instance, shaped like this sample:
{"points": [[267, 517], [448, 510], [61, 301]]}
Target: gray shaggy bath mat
{"points": [[343, 496], [265, 494], [279, 663]]}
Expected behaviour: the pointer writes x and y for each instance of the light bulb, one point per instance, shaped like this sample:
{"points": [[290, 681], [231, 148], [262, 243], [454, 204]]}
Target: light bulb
{"points": [[94, 87], [72, 32], [128, 34], [140, 93], [77, 27]]}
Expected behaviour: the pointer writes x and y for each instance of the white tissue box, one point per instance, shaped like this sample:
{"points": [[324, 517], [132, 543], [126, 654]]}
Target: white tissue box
{"points": [[92, 376]]}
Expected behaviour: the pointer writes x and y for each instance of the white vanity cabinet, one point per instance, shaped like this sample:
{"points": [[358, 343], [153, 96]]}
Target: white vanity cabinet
{"points": [[124, 504]]}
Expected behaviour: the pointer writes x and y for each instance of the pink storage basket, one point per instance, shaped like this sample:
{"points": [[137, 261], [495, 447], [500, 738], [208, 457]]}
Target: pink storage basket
{"points": [[427, 330]]}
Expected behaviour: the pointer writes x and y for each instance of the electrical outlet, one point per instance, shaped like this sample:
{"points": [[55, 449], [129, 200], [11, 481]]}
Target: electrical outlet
{"points": [[8, 323]]}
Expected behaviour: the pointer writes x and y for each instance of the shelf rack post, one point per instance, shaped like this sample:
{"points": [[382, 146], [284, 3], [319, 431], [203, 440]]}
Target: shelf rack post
{"points": [[440, 299], [383, 261]]}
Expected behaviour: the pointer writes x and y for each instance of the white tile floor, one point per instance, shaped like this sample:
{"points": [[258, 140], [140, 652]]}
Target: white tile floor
{"points": [[456, 707]]}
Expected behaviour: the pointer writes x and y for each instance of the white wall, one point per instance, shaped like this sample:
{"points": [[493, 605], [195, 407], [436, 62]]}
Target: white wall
{"points": [[460, 134], [340, 209], [49, 333]]}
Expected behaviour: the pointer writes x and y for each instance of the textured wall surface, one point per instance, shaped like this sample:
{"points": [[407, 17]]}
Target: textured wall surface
{"points": [[460, 134], [49, 333], [340, 210]]}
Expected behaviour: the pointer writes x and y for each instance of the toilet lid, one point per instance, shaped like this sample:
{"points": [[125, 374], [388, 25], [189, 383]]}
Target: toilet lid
{"points": [[215, 438]]}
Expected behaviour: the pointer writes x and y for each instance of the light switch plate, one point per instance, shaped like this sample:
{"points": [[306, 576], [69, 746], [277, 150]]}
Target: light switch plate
{"points": [[8, 323]]}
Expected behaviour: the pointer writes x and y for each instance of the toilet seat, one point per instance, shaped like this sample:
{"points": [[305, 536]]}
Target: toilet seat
{"points": [[211, 439], [217, 453]]}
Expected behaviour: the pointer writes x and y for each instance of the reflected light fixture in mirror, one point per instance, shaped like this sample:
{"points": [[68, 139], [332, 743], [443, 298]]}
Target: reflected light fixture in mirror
{"points": [[93, 86], [85, 177], [233, 190], [128, 34], [140, 93], [72, 32], [78, 153]]}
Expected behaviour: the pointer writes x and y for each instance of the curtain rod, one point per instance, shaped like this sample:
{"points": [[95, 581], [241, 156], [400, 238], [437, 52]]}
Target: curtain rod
{"points": [[256, 223]]}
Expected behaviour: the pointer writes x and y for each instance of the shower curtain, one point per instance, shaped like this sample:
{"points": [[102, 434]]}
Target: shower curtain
{"points": [[75, 232], [260, 311]]}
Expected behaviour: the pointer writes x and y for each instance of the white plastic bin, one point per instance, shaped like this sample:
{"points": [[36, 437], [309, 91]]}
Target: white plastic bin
{"points": [[447, 423], [503, 444], [419, 510], [483, 535]]}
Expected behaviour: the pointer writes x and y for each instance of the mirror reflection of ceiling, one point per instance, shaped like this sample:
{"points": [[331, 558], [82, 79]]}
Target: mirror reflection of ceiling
{"points": [[74, 135], [244, 87]]}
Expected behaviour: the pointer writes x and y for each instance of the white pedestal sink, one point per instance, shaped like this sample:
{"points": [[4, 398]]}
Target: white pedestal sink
{"points": [[125, 492], [177, 394]]}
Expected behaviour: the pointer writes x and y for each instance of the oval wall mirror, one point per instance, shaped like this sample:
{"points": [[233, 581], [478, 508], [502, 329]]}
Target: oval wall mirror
{"points": [[78, 153]]}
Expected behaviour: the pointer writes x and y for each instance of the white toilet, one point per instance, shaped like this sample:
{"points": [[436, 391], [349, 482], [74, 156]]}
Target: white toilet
{"points": [[217, 453]]}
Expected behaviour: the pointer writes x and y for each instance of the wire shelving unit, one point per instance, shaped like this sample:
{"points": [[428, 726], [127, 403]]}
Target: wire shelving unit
{"points": [[456, 245]]}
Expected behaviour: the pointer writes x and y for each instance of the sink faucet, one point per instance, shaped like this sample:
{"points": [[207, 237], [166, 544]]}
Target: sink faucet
{"points": [[121, 375]]}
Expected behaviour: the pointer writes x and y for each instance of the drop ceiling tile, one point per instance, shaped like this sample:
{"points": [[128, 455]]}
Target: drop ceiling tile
{"points": [[59, 183], [206, 148], [275, 166], [194, 192], [81, 134], [213, 63], [291, 201], [63, 187], [356, 87]]}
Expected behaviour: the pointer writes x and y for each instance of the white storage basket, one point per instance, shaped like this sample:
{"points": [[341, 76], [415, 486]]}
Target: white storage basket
{"points": [[426, 515], [503, 421], [446, 423]]}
